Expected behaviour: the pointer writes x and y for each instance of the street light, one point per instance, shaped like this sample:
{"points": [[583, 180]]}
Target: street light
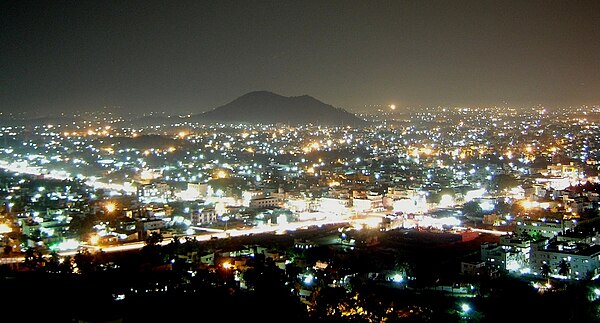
{"points": [[110, 207]]}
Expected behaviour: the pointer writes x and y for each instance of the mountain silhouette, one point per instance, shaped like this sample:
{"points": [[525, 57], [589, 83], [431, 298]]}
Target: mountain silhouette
{"points": [[269, 108]]}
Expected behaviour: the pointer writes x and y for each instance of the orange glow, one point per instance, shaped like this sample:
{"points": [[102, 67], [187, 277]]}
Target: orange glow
{"points": [[110, 207], [221, 174]]}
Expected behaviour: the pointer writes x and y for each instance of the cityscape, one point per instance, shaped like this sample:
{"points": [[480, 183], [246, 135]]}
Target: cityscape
{"points": [[300, 161], [443, 201]]}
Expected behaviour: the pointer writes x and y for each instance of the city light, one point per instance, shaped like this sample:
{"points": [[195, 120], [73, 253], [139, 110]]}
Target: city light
{"points": [[465, 308], [110, 207]]}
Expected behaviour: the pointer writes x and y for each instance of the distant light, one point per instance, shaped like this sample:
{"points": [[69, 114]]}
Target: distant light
{"points": [[5, 228], [308, 279], [69, 244], [597, 291], [465, 308], [110, 207], [397, 278], [393, 106], [94, 239]]}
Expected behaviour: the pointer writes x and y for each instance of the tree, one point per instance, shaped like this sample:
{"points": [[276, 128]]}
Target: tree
{"points": [[545, 270], [151, 252], [503, 207], [155, 238], [83, 261], [564, 268], [34, 259], [473, 209], [502, 182]]}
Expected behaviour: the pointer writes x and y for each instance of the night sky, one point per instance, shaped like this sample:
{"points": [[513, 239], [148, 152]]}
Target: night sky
{"points": [[191, 56]]}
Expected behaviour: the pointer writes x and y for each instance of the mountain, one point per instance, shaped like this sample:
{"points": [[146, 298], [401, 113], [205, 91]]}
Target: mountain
{"points": [[267, 107]]}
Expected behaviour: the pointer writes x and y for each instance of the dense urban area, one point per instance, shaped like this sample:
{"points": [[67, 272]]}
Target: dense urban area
{"points": [[441, 214]]}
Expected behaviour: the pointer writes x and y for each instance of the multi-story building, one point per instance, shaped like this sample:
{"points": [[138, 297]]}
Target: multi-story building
{"points": [[205, 215], [565, 259], [155, 192], [266, 202], [510, 254]]}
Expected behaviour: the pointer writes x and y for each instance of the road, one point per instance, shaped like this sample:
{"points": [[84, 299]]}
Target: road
{"points": [[280, 229], [209, 234]]}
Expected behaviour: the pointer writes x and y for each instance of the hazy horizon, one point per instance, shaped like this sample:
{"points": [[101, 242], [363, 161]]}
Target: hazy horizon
{"points": [[192, 56]]}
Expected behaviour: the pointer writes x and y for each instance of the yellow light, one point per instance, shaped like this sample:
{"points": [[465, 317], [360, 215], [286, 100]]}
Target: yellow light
{"points": [[415, 153], [94, 239], [110, 207], [5, 228], [171, 149], [227, 265], [182, 134], [221, 174], [393, 106]]}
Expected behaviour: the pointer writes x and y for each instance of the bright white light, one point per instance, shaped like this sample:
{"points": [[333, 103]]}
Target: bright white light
{"points": [[68, 245], [446, 201], [5, 228], [473, 194], [397, 278], [308, 279], [512, 265], [465, 308], [94, 239]]}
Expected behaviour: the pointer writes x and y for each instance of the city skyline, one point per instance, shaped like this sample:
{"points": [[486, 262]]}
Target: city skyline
{"points": [[191, 57]]}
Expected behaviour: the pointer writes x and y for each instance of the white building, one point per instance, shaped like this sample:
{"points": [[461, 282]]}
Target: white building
{"points": [[154, 192], [335, 206], [206, 215], [266, 202], [567, 259], [510, 254]]}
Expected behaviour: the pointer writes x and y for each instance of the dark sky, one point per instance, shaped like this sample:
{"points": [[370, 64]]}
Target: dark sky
{"points": [[191, 56]]}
